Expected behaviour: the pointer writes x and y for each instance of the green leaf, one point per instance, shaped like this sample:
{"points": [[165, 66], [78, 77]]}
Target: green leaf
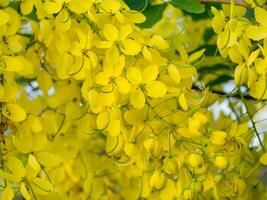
{"points": [[221, 79], [213, 69], [208, 34], [137, 4], [192, 6], [153, 14], [210, 49]]}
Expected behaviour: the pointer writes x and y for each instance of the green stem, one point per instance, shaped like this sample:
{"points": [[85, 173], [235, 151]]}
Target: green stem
{"points": [[251, 119]]}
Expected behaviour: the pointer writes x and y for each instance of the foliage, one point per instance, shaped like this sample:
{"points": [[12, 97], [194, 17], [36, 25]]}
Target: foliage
{"points": [[112, 99]]}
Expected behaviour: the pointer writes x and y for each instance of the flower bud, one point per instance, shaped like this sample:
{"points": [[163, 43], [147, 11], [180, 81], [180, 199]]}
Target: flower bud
{"points": [[221, 162], [157, 180], [170, 166], [130, 149], [151, 145], [195, 160], [188, 194], [218, 138]]}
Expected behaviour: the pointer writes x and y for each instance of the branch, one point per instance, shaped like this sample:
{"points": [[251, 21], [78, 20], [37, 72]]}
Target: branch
{"points": [[224, 94], [237, 2]]}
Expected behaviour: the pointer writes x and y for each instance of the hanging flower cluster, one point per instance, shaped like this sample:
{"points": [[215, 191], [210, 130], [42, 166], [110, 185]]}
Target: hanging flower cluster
{"points": [[94, 107]]}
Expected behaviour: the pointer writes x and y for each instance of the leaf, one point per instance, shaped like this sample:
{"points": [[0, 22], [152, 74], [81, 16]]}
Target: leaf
{"points": [[137, 4], [153, 14], [192, 6], [219, 80], [208, 34]]}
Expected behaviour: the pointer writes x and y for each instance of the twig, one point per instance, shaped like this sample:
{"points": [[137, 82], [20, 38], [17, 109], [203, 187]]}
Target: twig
{"points": [[237, 2], [251, 119], [224, 94]]}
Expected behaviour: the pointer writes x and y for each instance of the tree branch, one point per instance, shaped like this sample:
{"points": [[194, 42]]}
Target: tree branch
{"points": [[237, 2], [224, 94]]}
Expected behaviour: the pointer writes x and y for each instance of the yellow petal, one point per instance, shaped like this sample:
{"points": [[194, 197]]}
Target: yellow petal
{"points": [[137, 99], [182, 101], [235, 55], [48, 159], [174, 73], [253, 56], [24, 191], [7, 194], [102, 120], [241, 74], [134, 75], [114, 127], [52, 7], [102, 78], [135, 17], [261, 16], [4, 17], [147, 54], [131, 47], [193, 57], [33, 163], [110, 32], [156, 89], [159, 42], [79, 6], [16, 166], [125, 31], [26, 7], [256, 32], [223, 39], [14, 112], [259, 88], [260, 65], [123, 85], [150, 73], [263, 159], [41, 186], [11, 64]]}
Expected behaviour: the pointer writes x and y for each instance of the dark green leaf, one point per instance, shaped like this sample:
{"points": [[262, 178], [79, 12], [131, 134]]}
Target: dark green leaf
{"points": [[14, 5], [153, 14], [32, 15], [208, 33], [204, 15], [137, 4], [221, 79], [214, 68], [192, 6], [210, 49]]}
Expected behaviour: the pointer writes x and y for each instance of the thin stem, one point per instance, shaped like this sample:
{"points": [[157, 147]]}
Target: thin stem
{"points": [[224, 94], [251, 119], [233, 110]]}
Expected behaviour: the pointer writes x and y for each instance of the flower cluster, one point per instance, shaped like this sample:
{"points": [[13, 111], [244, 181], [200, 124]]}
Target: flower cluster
{"points": [[94, 107]]}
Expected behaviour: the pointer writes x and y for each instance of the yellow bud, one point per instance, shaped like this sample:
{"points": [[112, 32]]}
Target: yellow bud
{"points": [[188, 194], [240, 185], [170, 166], [241, 74], [195, 160], [221, 162], [151, 145], [129, 149], [218, 138], [157, 180]]}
